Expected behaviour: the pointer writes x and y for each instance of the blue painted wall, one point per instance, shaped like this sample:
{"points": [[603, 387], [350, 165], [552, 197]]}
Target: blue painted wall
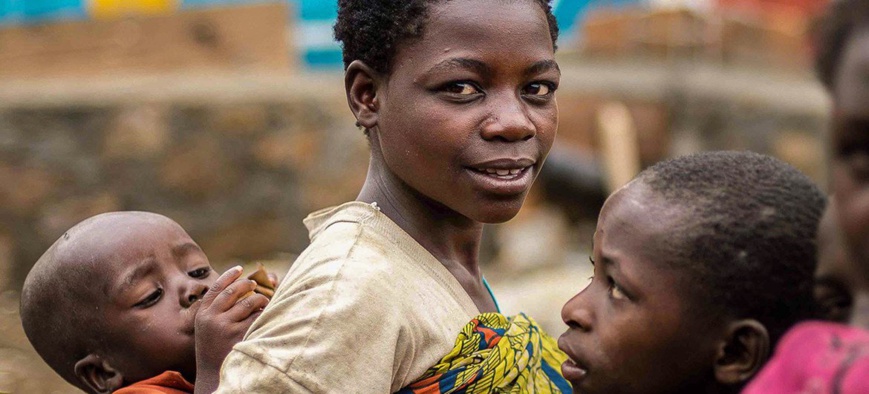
{"points": [[23, 11], [571, 12]]}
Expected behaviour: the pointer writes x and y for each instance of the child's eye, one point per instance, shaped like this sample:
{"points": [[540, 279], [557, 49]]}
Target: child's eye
{"points": [[461, 88], [616, 291], [200, 272], [539, 89], [151, 299]]}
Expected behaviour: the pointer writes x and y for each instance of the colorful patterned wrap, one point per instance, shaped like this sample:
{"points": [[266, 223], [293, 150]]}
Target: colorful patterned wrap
{"points": [[497, 354]]}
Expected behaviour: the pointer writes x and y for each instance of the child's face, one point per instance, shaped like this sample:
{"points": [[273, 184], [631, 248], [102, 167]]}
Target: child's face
{"points": [[629, 331], [155, 277], [850, 147], [468, 113]]}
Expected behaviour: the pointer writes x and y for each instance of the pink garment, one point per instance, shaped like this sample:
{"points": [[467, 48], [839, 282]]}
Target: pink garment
{"points": [[817, 358]]}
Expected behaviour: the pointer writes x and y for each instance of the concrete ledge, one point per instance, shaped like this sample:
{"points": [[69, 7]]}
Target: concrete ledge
{"points": [[181, 88]]}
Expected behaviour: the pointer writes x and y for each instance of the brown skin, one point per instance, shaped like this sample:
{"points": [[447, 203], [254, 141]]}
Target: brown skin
{"points": [[148, 279], [632, 329], [475, 92], [850, 164], [837, 277]]}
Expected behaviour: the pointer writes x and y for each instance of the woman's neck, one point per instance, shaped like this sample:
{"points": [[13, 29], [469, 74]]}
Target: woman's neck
{"points": [[450, 237], [453, 239]]}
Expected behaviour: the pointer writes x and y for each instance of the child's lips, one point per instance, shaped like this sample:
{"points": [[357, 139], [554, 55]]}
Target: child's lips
{"points": [[573, 371], [190, 312]]}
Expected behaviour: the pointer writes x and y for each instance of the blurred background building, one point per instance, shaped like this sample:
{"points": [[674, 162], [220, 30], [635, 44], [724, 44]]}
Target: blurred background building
{"points": [[229, 116]]}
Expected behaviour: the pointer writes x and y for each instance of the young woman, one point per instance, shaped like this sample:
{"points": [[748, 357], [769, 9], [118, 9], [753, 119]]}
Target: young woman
{"points": [[457, 100]]}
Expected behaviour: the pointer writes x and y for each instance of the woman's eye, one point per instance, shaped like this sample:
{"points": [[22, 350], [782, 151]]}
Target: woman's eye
{"points": [[151, 299], [200, 272], [539, 89], [461, 88]]}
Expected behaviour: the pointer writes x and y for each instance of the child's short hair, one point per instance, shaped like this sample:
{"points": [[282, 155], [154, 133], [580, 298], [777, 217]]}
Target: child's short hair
{"points": [[748, 234], [372, 30], [843, 18]]}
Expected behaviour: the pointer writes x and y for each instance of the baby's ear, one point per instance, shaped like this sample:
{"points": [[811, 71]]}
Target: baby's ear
{"points": [[361, 83], [743, 353], [97, 375]]}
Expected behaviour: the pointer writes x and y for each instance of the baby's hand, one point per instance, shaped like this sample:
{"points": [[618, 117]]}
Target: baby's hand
{"points": [[273, 278], [226, 312], [267, 282]]}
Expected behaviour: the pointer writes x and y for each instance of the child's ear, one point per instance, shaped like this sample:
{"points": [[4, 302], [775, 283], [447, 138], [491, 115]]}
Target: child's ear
{"points": [[743, 352], [97, 375], [362, 83]]}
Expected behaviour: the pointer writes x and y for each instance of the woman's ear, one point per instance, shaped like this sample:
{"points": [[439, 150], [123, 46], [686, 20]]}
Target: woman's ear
{"points": [[743, 353], [362, 84], [97, 375]]}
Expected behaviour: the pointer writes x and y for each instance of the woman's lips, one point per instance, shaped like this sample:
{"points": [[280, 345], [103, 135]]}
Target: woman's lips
{"points": [[502, 181], [503, 173]]}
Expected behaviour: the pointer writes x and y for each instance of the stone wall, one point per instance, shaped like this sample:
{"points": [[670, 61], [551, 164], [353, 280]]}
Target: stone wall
{"points": [[238, 164]]}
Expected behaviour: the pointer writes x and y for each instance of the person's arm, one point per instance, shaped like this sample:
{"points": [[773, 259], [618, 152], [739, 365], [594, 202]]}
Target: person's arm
{"points": [[227, 311]]}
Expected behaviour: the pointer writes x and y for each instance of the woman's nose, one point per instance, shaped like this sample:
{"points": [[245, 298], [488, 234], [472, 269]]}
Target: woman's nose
{"points": [[509, 121]]}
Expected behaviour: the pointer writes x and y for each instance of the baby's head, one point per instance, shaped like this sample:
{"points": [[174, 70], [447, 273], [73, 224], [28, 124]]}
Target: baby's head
{"points": [[113, 300], [701, 263]]}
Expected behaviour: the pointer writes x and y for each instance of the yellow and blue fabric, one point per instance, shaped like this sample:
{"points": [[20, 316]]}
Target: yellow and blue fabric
{"points": [[497, 354]]}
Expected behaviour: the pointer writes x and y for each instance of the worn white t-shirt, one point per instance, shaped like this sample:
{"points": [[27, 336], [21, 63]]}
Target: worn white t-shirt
{"points": [[364, 309]]}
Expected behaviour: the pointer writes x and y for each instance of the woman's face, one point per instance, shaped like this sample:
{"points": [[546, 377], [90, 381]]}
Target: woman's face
{"points": [[468, 113]]}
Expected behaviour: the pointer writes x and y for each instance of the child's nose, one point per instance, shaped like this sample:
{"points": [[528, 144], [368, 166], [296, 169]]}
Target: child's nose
{"points": [[577, 314], [194, 293]]}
